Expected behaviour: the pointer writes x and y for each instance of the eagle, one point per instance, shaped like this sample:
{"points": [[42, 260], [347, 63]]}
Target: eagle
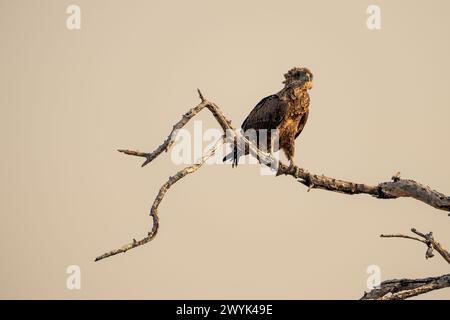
{"points": [[284, 113]]}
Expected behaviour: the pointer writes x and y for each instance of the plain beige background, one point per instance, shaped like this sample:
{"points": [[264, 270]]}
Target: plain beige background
{"points": [[69, 99]]}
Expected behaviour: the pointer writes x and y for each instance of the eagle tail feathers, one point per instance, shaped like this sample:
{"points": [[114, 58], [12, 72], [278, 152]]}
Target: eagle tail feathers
{"points": [[232, 156]]}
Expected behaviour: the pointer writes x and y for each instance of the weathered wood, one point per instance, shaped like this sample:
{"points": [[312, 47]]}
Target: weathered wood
{"points": [[397, 188], [399, 289]]}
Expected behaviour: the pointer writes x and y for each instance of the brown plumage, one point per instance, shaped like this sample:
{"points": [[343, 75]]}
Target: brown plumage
{"points": [[284, 113]]}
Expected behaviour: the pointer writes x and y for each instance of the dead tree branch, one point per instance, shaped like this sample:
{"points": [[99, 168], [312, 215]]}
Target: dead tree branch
{"points": [[400, 289], [397, 188], [154, 209], [386, 190], [427, 239]]}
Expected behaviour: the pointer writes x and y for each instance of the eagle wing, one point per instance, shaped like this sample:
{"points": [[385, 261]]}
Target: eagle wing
{"points": [[267, 114], [302, 123]]}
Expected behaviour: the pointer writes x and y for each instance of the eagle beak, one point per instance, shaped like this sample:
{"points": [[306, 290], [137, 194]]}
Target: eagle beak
{"points": [[309, 85]]}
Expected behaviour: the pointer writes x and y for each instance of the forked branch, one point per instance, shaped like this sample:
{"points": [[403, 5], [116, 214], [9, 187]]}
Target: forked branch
{"points": [[400, 289], [154, 209], [396, 188]]}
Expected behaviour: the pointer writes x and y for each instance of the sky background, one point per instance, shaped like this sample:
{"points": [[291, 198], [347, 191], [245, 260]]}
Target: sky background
{"points": [[70, 98]]}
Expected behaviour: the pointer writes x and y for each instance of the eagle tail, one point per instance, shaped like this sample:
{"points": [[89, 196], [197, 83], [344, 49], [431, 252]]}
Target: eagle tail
{"points": [[232, 156]]}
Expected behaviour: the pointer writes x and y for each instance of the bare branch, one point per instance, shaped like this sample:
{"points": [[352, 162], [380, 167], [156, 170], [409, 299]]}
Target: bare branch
{"points": [[401, 236], [200, 95], [400, 289], [406, 288], [397, 188], [154, 209], [428, 240], [165, 146], [386, 190]]}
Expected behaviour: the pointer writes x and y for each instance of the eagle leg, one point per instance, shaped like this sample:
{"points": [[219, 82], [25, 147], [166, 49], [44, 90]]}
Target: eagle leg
{"points": [[290, 155], [292, 164]]}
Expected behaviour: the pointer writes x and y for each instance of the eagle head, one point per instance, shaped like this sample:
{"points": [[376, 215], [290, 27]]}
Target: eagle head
{"points": [[300, 76]]}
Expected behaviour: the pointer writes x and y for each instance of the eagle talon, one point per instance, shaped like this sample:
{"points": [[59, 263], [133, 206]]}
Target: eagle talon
{"points": [[291, 167]]}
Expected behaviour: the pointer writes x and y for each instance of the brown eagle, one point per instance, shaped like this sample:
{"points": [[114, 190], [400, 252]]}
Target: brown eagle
{"points": [[286, 112]]}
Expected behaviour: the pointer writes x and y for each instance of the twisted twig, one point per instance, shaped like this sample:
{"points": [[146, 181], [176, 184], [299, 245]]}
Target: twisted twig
{"points": [[387, 190], [154, 209], [399, 289], [427, 239]]}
